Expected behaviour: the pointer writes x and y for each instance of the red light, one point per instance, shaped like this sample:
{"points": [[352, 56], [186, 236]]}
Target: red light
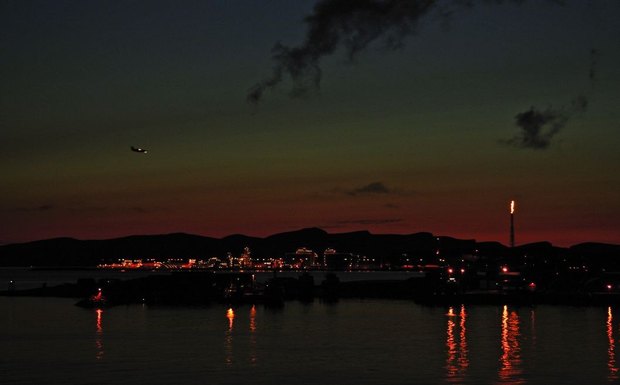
{"points": [[462, 271], [450, 271], [98, 297], [504, 269], [609, 287]]}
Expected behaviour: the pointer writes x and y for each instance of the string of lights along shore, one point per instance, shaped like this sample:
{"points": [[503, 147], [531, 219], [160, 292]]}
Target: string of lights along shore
{"points": [[512, 223]]}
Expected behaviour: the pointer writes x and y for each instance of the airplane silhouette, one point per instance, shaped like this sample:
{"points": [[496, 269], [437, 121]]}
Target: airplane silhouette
{"points": [[138, 149]]}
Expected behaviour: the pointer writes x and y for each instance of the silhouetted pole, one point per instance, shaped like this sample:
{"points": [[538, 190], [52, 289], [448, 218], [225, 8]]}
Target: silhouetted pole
{"points": [[512, 223]]}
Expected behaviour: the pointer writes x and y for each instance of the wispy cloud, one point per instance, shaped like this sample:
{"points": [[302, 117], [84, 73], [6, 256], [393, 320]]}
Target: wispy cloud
{"points": [[336, 23], [50, 207], [362, 222], [352, 25]]}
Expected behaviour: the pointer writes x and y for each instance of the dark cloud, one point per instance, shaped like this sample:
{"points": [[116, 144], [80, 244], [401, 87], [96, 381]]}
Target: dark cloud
{"points": [[539, 127], [340, 23], [374, 188], [351, 25], [41, 208], [371, 188]]}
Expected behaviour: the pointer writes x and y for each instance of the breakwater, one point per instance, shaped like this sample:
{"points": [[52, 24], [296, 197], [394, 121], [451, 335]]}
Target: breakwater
{"points": [[204, 288]]}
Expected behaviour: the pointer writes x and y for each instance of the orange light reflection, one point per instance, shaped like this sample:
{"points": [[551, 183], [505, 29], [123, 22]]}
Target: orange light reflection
{"points": [[253, 357], [230, 314], [99, 324], [228, 340], [98, 338], [611, 350], [463, 359], [451, 369], [457, 360], [253, 319], [510, 360]]}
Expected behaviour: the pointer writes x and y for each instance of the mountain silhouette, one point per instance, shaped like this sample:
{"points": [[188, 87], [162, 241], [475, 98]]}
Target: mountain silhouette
{"points": [[385, 247]]}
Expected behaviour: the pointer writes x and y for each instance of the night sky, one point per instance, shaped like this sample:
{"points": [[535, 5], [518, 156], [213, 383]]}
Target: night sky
{"points": [[432, 121]]}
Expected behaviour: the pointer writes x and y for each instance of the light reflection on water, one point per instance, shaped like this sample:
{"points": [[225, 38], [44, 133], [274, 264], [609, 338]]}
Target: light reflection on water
{"points": [[457, 360], [611, 351], [99, 334], [229, 336], [228, 339], [510, 371], [253, 356], [49, 340]]}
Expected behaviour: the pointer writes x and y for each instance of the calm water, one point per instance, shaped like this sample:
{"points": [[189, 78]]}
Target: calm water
{"points": [[50, 341]]}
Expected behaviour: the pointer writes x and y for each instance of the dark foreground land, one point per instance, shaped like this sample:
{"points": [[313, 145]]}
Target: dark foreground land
{"points": [[204, 288]]}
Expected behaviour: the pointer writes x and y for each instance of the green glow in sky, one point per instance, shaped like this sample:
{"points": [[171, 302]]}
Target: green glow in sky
{"points": [[395, 141]]}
